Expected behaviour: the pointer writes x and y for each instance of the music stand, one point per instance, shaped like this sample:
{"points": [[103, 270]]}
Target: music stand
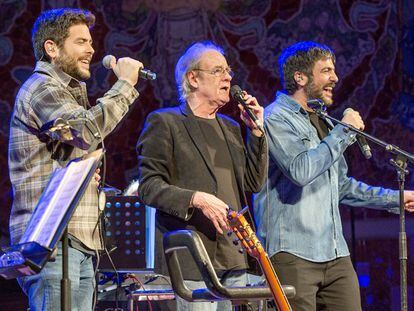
{"points": [[48, 223]]}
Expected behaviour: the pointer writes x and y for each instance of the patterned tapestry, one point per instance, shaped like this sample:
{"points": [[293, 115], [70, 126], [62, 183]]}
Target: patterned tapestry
{"points": [[374, 45]]}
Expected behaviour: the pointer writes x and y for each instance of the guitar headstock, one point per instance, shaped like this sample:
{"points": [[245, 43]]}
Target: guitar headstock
{"points": [[244, 232]]}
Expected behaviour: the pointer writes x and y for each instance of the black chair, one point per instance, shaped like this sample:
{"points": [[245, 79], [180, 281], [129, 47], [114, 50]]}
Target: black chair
{"points": [[215, 291]]}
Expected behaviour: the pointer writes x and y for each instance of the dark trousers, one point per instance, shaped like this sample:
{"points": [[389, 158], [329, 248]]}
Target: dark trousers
{"points": [[330, 286]]}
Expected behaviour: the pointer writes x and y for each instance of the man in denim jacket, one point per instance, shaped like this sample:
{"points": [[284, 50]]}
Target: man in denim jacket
{"points": [[297, 214]]}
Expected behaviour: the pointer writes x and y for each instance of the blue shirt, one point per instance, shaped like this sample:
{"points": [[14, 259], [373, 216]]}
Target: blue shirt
{"points": [[307, 182]]}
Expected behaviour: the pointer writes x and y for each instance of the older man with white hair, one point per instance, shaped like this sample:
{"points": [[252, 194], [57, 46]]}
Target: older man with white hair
{"points": [[194, 165]]}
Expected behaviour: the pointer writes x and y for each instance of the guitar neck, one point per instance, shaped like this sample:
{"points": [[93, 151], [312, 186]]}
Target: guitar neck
{"points": [[281, 300], [251, 243]]}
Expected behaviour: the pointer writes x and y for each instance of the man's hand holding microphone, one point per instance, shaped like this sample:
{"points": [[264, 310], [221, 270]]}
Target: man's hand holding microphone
{"points": [[128, 69]]}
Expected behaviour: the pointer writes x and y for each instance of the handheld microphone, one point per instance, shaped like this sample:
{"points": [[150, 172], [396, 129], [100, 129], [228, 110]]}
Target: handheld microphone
{"points": [[362, 142], [143, 73], [237, 94]]}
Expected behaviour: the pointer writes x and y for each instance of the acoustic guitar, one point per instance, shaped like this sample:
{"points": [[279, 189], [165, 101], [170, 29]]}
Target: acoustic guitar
{"points": [[251, 243]]}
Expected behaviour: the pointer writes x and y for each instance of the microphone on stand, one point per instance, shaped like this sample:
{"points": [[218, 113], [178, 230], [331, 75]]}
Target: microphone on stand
{"points": [[237, 94], [71, 132], [316, 105], [362, 142], [143, 73], [58, 129]]}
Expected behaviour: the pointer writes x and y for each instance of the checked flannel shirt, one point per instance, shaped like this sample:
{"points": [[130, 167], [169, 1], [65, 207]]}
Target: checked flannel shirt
{"points": [[48, 94]]}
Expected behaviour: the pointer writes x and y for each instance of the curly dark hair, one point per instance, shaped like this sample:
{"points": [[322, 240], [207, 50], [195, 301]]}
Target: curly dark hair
{"points": [[54, 25], [301, 57]]}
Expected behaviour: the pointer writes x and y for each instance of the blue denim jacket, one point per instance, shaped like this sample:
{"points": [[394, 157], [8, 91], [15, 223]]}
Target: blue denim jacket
{"points": [[307, 181]]}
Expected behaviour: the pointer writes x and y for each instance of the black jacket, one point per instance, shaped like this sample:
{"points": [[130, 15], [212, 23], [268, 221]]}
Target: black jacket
{"points": [[174, 163]]}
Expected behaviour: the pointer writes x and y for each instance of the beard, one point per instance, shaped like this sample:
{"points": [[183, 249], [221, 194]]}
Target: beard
{"points": [[314, 92], [69, 65]]}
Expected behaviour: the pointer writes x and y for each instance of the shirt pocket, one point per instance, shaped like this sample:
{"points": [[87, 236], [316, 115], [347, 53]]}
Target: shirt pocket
{"points": [[308, 142]]}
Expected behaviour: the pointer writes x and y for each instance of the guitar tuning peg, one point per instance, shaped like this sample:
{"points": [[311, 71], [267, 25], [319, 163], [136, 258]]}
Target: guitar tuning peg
{"points": [[241, 250], [236, 242], [229, 233]]}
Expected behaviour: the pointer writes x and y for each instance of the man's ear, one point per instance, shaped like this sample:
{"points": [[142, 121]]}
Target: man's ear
{"points": [[192, 79], [51, 49], [300, 78]]}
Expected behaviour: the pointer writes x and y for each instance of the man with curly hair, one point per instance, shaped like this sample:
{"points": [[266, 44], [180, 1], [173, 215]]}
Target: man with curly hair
{"points": [[298, 212]]}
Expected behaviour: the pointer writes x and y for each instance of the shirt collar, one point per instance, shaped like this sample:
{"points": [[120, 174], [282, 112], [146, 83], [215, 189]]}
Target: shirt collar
{"points": [[56, 73], [185, 109], [290, 103]]}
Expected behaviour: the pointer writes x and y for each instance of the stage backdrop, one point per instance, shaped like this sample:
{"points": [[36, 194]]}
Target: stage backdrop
{"points": [[374, 44]]}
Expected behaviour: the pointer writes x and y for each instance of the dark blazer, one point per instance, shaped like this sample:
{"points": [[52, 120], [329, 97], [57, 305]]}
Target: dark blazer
{"points": [[174, 163]]}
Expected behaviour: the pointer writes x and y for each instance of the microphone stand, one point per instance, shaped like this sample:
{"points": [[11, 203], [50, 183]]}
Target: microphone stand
{"points": [[62, 131], [400, 164]]}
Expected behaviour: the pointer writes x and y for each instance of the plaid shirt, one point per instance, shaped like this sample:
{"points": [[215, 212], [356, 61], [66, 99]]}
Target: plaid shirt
{"points": [[49, 94]]}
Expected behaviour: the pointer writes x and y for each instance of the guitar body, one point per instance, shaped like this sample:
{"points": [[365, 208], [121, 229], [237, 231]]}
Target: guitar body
{"points": [[251, 243]]}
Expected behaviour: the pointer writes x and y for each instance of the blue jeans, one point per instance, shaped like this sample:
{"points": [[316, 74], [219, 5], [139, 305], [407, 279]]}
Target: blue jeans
{"points": [[227, 278], [43, 289]]}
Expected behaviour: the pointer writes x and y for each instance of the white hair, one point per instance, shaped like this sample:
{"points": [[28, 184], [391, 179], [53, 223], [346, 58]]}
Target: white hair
{"points": [[189, 61]]}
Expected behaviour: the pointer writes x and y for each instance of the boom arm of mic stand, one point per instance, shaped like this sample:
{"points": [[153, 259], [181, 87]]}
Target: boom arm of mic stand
{"points": [[388, 147]]}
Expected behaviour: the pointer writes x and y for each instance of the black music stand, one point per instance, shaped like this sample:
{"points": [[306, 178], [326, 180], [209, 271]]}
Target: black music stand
{"points": [[48, 223]]}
